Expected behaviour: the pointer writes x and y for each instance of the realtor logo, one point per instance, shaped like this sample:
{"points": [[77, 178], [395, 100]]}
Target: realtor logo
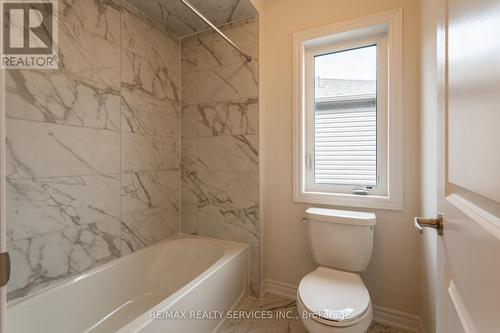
{"points": [[29, 34]]}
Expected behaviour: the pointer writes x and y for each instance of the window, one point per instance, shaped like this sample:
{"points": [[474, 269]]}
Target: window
{"points": [[347, 105]]}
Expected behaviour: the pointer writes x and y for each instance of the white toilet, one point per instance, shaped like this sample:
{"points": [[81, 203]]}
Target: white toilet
{"points": [[333, 298]]}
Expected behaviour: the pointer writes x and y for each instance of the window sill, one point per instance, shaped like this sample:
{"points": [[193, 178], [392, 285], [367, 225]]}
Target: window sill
{"points": [[350, 200]]}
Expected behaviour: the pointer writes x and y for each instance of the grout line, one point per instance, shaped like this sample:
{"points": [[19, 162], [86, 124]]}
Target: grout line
{"points": [[119, 130], [64, 125], [102, 174]]}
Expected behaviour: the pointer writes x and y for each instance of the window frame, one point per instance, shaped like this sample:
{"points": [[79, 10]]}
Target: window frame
{"points": [[380, 41], [384, 30]]}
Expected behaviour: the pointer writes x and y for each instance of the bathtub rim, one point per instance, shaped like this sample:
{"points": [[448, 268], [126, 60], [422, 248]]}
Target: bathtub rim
{"points": [[73, 279], [144, 319]]}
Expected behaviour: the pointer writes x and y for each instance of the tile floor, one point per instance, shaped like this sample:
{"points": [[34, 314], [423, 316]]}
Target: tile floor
{"points": [[278, 304]]}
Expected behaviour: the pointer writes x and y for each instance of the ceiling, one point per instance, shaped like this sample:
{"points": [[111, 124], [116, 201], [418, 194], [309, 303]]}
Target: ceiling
{"points": [[177, 18]]}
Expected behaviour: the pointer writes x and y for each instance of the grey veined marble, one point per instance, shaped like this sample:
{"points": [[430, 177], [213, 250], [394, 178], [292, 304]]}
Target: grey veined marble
{"points": [[220, 139], [95, 164], [181, 21], [92, 148]]}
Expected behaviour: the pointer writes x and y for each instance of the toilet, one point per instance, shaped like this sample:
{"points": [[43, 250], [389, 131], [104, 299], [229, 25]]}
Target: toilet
{"points": [[333, 298]]}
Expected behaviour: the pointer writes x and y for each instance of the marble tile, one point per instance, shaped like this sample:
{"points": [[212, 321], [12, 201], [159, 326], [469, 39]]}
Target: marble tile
{"points": [[285, 318], [213, 51], [149, 76], [148, 153], [149, 226], [189, 200], [181, 21], [189, 54], [382, 328], [92, 148], [140, 36], [254, 270], [37, 150], [228, 153], [239, 117], [42, 260], [101, 18], [189, 154], [228, 82], [60, 98], [148, 190], [189, 84], [228, 204], [89, 57], [136, 33], [275, 304], [189, 121], [43, 205], [143, 114], [219, 139]]}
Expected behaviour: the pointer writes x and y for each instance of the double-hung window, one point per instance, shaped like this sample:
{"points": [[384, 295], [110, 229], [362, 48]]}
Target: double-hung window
{"points": [[348, 113]]}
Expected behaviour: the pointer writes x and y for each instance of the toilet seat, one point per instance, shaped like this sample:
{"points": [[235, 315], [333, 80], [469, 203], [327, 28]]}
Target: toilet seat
{"points": [[334, 298]]}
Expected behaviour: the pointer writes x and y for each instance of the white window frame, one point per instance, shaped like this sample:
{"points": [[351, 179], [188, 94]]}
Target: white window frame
{"points": [[380, 41], [384, 30]]}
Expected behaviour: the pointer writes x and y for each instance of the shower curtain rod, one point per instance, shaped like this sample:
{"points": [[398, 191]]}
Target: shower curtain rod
{"points": [[217, 30]]}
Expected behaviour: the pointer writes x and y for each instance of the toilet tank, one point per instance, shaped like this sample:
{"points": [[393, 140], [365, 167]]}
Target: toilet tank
{"points": [[341, 239]]}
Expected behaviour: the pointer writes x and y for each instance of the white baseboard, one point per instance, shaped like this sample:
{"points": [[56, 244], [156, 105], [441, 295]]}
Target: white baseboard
{"points": [[382, 315], [279, 288], [397, 319]]}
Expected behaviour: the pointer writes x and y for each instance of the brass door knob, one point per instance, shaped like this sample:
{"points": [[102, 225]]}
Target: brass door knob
{"points": [[436, 223]]}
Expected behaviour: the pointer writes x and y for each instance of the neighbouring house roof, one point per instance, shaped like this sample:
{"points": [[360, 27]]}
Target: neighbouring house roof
{"points": [[334, 90]]}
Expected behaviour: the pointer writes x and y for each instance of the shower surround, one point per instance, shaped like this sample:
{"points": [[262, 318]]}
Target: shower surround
{"points": [[94, 148], [220, 138]]}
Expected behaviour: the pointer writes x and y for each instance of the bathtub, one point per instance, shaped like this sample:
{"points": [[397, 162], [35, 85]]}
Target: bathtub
{"points": [[152, 290]]}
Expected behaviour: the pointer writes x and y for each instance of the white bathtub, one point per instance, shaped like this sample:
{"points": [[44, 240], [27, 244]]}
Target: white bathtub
{"points": [[187, 274]]}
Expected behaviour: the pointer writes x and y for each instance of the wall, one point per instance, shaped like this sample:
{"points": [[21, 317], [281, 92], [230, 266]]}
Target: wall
{"points": [[92, 148], [392, 276], [220, 138], [428, 153]]}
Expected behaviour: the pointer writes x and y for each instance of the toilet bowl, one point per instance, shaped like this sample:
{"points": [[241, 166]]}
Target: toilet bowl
{"points": [[333, 298], [329, 300]]}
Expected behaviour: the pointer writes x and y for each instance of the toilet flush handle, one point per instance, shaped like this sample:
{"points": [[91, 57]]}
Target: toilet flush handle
{"points": [[305, 220]]}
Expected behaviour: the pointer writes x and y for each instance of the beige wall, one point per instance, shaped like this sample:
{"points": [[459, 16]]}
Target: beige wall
{"points": [[428, 122], [392, 276]]}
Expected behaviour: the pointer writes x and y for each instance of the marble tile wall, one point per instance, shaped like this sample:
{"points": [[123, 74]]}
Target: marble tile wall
{"points": [[182, 22], [92, 148], [220, 138]]}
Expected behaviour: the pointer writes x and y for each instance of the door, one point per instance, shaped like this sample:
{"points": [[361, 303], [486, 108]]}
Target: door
{"points": [[469, 166], [3, 241]]}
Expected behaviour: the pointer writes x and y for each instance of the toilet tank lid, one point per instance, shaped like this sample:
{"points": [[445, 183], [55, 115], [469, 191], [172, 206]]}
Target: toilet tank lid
{"points": [[341, 216]]}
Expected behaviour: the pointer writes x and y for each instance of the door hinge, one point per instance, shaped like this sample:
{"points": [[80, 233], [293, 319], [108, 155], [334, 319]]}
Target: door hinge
{"points": [[4, 268]]}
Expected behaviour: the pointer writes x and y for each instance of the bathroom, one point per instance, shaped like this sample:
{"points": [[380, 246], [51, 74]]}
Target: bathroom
{"points": [[249, 166]]}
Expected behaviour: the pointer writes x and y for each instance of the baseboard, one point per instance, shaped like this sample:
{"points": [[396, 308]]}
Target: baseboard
{"points": [[382, 315], [279, 288], [397, 319]]}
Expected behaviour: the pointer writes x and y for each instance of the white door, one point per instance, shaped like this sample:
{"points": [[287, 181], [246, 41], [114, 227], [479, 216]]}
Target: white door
{"points": [[3, 242], [469, 166]]}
